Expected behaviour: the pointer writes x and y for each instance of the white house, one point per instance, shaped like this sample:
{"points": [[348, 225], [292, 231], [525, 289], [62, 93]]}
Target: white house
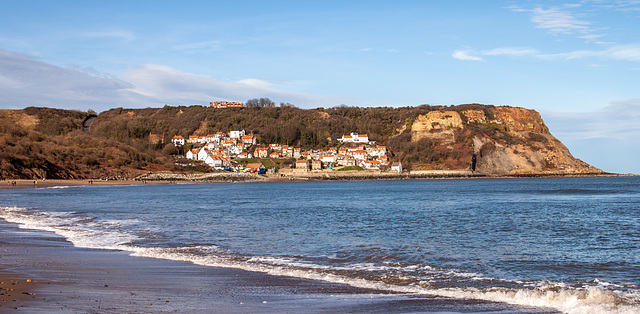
{"points": [[213, 144], [192, 154], [177, 140], [236, 133], [213, 161], [203, 153], [235, 149], [329, 158], [354, 138], [396, 166], [371, 164]]}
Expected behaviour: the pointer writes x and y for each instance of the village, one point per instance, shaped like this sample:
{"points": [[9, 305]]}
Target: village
{"points": [[239, 151]]}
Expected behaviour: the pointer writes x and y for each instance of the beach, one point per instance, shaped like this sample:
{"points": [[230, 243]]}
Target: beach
{"points": [[48, 274], [21, 183]]}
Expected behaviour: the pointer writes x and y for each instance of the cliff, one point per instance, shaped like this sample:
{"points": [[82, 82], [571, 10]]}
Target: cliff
{"points": [[487, 140], [498, 140]]}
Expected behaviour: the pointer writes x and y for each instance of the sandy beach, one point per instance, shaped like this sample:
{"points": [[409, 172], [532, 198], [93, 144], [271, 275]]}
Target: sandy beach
{"points": [[21, 183], [42, 272]]}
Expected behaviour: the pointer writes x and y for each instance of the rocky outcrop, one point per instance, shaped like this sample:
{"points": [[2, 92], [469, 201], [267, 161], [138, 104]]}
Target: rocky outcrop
{"points": [[505, 141]]}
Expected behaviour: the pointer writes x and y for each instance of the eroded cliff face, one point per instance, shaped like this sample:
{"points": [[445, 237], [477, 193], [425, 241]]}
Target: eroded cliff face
{"points": [[498, 140]]}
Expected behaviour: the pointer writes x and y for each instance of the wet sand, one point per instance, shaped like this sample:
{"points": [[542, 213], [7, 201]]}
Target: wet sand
{"points": [[49, 275], [21, 183]]}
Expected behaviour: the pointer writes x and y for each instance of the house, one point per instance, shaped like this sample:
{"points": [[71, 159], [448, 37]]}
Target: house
{"points": [[296, 153], [213, 161], [287, 151], [354, 138], [396, 166], [203, 153], [256, 168], [225, 104], [248, 140], [213, 144], [383, 160], [209, 138], [329, 158], [350, 162], [275, 155], [237, 134], [156, 138], [261, 152], [377, 151], [192, 154], [276, 147], [178, 140], [193, 139], [302, 165], [372, 164], [244, 155], [316, 165], [359, 155], [235, 149]]}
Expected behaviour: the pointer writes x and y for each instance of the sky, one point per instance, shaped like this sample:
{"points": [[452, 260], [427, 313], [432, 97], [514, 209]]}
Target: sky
{"points": [[575, 62]]}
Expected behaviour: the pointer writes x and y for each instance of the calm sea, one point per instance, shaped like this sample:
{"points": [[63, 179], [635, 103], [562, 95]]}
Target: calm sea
{"points": [[569, 243]]}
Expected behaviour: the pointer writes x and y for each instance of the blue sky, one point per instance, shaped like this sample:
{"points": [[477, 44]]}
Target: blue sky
{"points": [[577, 63]]}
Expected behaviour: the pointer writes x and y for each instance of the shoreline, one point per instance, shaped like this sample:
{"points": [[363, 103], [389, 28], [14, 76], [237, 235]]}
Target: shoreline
{"points": [[176, 178], [49, 274]]}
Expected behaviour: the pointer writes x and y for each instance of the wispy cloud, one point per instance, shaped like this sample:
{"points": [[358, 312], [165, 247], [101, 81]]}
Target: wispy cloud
{"points": [[617, 120], [465, 55], [617, 52], [112, 34], [563, 20], [558, 21], [606, 138], [510, 51]]}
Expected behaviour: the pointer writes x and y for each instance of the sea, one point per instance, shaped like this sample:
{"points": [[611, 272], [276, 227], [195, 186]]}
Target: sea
{"points": [[570, 244]]}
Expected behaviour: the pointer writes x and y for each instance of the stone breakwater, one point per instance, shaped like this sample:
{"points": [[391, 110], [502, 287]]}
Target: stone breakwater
{"points": [[202, 177], [376, 175]]}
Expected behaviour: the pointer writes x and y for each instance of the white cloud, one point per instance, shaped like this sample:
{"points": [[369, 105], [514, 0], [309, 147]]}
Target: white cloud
{"points": [[465, 55], [29, 82], [26, 81]]}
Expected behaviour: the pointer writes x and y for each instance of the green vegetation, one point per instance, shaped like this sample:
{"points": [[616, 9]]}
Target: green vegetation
{"points": [[52, 143]]}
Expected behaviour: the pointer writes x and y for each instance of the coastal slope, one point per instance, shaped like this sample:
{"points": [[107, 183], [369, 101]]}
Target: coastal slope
{"points": [[483, 139]]}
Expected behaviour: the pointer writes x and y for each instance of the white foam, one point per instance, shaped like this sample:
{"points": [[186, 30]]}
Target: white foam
{"points": [[85, 232], [569, 300], [81, 231]]}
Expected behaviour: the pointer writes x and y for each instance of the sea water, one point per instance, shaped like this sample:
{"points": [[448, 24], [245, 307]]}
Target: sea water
{"points": [[572, 244]]}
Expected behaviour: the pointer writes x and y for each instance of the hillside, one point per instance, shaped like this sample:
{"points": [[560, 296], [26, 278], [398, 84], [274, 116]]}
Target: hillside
{"points": [[37, 142]]}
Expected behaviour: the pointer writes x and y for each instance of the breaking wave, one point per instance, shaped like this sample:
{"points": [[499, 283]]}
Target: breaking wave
{"points": [[89, 232]]}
